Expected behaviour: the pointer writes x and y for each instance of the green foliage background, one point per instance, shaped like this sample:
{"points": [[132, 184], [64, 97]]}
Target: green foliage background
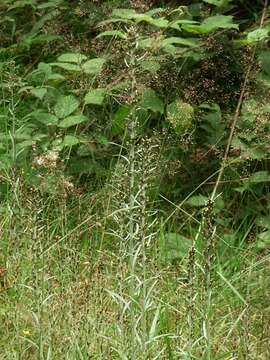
{"points": [[75, 76]]}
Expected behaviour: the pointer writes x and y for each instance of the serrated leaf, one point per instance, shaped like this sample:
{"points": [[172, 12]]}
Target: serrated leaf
{"points": [[93, 66], [151, 101], [56, 76], [257, 35], [72, 58], [218, 3], [218, 22], [180, 41], [45, 118], [65, 106], [39, 92], [161, 23], [212, 123], [113, 33], [114, 20], [67, 66], [130, 14], [263, 221], [119, 119], [95, 97], [264, 58], [69, 140], [177, 25], [72, 120], [124, 13], [211, 24], [264, 240], [197, 200], [176, 246], [50, 4]]}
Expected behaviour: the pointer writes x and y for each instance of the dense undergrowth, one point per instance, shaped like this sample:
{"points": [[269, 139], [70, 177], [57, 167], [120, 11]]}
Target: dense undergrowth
{"points": [[134, 179]]}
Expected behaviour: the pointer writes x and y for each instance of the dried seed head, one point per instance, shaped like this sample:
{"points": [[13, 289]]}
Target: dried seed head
{"points": [[48, 160]]}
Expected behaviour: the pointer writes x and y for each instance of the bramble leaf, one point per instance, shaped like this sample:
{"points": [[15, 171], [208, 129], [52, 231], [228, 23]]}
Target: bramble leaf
{"points": [[72, 120], [65, 106]]}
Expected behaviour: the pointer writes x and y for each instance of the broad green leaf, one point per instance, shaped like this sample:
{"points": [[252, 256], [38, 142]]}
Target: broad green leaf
{"points": [[130, 14], [197, 200], [46, 68], [39, 92], [142, 17], [67, 66], [72, 58], [180, 41], [124, 13], [263, 221], [119, 119], [72, 120], [218, 22], [56, 77], [45, 118], [95, 97], [180, 115], [69, 140], [264, 240], [65, 106], [113, 33], [93, 66], [264, 58], [257, 35], [259, 176], [176, 246], [218, 3], [213, 2], [115, 20], [151, 101], [212, 123], [177, 24], [154, 11], [33, 39], [161, 23], [211, 24], [50, 4]]}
